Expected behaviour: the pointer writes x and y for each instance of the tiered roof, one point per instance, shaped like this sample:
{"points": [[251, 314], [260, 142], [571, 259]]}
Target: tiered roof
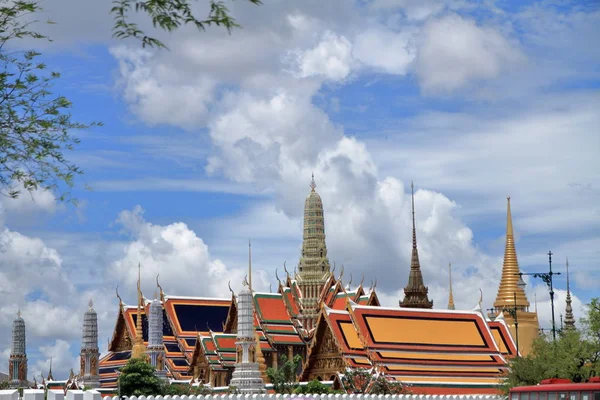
{"points": [[184, 319], [406, 344]]}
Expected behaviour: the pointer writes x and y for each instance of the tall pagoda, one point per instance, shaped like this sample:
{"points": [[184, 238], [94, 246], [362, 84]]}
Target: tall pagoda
{"points": [[509, 291], [415, 292], [17, 362], [313, 268], [90, 355], [569, 318]]}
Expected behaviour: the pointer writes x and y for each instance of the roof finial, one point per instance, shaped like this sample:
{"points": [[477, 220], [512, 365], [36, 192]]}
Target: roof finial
{"points": [[414, 232], [230, 289], [270, 288], [313, 185], [362, 280], [333, 270], [287, 274], [277, 276], [249, 265], [161, 293], [341, 273], [450, 295], [91, 304], [19, 313]]}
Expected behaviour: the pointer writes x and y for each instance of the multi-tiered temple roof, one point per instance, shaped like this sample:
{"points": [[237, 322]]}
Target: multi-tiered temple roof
{"points": [[332, 326]]}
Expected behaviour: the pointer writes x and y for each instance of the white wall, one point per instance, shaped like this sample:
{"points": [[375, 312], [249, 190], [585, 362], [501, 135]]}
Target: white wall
{"points": [[94, 395]]}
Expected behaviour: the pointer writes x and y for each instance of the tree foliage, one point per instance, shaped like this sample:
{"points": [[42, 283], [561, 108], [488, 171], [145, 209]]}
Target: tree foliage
{"points": [[315, 387], [167, 15], [574, 356], [284, 378], [137, 378], [366, 381], [35, 124]]}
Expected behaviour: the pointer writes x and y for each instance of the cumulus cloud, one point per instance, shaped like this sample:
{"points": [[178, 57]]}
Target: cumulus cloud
{"points": [[331, 58], [173, 251], [61, 354], [454, 51], [385, 50]]}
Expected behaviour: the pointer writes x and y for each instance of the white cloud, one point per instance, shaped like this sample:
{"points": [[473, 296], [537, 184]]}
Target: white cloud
{"points": [[454, 51], [175, 252], [61, 353], [29, 206], [413, 9], [330, 59], [160, 94], [385, 50]]}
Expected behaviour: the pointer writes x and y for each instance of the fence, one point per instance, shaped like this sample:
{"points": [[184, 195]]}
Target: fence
{"points": [[32, 394]]}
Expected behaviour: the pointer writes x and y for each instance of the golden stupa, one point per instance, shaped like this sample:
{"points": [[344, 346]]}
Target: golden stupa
{"points": [[511, 296]]}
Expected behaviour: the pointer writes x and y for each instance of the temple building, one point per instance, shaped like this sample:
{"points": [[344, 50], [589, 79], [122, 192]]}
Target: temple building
{"points": [[17, 362], [90, 355], [415, 292], [569, 318], [512, 296], [329, 323]]}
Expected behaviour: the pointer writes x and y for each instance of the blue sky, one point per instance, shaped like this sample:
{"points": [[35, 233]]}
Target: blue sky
{"points": [[214, 142]]}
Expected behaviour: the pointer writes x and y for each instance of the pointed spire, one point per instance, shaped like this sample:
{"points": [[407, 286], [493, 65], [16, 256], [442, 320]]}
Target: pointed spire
{"points": [[50, 377], [569, 318], [139, 349], [313, 185], [415, 292], [510, 272], [249, 265], [450, 296], [414, 231]]}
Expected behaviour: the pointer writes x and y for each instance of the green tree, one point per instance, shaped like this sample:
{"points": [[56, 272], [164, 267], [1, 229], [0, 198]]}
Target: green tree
{"points": [[315, 387], [35, 124], [137, 379], [167, 15], [575, 354], [284, 377], [4, 385]]}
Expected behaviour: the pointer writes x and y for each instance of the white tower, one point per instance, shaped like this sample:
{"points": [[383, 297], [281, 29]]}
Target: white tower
{"points": [[156, 349], [90, 354], [246, 376]]}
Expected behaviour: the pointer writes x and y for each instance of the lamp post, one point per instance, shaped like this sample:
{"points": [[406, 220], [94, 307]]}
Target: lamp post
{"points": [[547, 278]]}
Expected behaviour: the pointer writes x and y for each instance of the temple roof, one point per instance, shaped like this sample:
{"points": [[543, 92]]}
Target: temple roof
{"points": [[406, 344]]}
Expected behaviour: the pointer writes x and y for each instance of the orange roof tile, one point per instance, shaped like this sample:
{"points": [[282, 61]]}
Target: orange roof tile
{"points": [[271, 308], [416, 329]]}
